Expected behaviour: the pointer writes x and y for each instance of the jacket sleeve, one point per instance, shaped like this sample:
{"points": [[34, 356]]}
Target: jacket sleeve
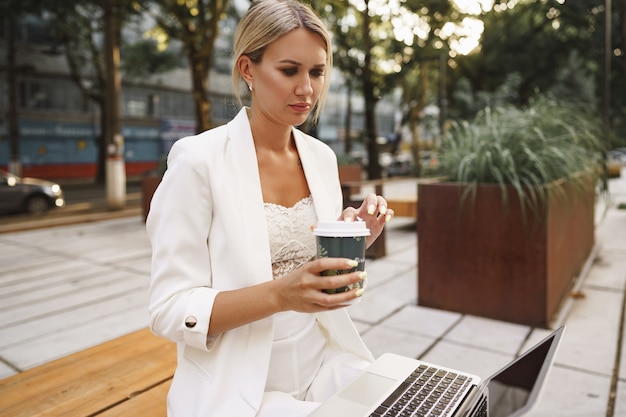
{"points": [[178, 224]]}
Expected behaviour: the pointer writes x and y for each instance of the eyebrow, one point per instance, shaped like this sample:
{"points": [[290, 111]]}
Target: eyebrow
{"points": [[299, 64]]}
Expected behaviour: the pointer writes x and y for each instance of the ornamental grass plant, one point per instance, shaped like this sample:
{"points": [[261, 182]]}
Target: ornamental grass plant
{"points": [[525, 148]]}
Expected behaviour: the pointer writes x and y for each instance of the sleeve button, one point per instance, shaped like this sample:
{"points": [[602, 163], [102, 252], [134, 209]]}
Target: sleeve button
{"points": [[190, 322]]}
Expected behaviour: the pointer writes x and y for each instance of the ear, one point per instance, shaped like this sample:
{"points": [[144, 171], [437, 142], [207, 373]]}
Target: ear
{"points": [[244, 65]]}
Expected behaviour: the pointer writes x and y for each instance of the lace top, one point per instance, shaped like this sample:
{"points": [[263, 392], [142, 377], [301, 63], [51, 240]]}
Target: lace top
{"points": [[298, 347], [291, 240]]}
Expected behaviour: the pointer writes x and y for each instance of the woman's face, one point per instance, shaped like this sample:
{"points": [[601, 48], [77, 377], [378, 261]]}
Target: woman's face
{"points": [[288, 81]]}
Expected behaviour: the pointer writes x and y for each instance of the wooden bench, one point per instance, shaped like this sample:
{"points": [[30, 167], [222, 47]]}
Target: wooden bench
{"points": [[127, 376], [404, 205]]}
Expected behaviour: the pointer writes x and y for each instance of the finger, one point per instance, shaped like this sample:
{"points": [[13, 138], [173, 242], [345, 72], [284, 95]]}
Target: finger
{"points": [[375, 205], [382, 205], [370, 203], [389, 215], [325, 264], [349, 214], [333, 282], [339, 300]]}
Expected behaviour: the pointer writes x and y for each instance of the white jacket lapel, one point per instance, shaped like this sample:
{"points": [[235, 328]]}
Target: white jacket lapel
{"points": [[248, 184], [322, 198]]}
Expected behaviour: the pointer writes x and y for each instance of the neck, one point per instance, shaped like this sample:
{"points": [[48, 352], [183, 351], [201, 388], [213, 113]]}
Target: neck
{"points": [[269, 135]]}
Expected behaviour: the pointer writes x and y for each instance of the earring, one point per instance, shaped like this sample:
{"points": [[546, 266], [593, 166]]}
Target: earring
{"points": [[250, 86]]}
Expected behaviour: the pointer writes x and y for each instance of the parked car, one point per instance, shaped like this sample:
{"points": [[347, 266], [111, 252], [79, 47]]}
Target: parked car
{"points": [[400, 168], [28, 195], [615, 161], [617, 155]]}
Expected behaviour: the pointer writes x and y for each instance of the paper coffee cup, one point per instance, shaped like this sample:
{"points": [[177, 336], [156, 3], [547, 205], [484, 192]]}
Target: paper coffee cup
{"points": [[339, 239]]}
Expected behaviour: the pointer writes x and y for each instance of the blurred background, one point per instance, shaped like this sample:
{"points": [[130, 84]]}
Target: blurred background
{"points": [[97, 91]]}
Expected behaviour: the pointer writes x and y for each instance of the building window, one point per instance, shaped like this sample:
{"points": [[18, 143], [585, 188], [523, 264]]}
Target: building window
{"points": [[136, 108], [50, 94], [33, 95]]}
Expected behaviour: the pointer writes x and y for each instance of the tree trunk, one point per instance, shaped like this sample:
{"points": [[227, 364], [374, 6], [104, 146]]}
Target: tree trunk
{"points": [[115, 178], [416, 106], [101, 144], [112, 87], [347, 144], [622, 19], [12, 112], [202, 104], [415, 138], [374, 170]]}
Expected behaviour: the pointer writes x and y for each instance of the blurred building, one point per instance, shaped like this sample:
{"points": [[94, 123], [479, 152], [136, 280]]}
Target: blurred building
{"points": [[59, 125]]}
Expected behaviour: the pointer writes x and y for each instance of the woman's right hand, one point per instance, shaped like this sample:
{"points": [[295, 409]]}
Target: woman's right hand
{"points": [[301, 289]]}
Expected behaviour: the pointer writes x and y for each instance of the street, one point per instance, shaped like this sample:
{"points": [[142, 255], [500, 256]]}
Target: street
{"points": [[82, 200]]}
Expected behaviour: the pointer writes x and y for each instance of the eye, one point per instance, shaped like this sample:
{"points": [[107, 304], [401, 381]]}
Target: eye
{"points": [[317, 73], [290, 71]]}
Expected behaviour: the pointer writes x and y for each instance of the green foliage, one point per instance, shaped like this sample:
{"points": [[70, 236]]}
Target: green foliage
{"points": [[554, 47], [345, 159], [534, 39], [142, 59], [525, 148], [196, 25]]}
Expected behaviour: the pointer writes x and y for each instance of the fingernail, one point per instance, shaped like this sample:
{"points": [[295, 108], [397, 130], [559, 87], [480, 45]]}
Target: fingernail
{"points": [[371, 209], [363, 275], [387, 218], [348, 219], [352, 263], [382, 210], [360, 292]]}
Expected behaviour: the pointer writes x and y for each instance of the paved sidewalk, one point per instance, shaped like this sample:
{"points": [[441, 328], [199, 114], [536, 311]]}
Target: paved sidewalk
{"points": [[66, 288]]}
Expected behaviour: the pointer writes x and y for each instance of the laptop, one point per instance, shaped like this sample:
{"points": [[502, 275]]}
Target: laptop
{"points": [[399, 386]]}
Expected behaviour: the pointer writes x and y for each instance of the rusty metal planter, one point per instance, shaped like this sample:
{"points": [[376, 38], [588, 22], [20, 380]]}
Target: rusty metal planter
{"points": [[482, 258]]}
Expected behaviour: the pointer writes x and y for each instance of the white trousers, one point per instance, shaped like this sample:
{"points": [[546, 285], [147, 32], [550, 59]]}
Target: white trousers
{"points": [[337, 371]]}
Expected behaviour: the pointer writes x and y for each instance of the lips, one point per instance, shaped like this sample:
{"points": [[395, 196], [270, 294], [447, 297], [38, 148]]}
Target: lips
{"points": [[301, 107]]}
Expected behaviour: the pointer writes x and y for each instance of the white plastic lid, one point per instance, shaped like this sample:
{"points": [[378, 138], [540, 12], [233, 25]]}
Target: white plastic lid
{"points": [[339, 228]]}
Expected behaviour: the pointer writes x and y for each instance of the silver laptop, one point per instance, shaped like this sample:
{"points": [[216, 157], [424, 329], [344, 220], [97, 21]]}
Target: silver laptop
{"points": [[398, 386]]}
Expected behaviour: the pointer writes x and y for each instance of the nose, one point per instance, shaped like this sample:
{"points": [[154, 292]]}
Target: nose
{"points": [[304, 86]]}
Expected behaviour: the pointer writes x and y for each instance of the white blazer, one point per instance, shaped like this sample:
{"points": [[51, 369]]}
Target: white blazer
{"points": [[208, 233]]}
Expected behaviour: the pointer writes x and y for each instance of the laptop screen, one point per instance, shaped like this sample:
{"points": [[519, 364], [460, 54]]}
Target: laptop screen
{"points": [[515, 387]]}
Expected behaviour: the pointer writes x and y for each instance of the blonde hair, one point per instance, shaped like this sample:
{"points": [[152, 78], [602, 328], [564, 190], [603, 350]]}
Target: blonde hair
{"points": [[268, 20]]}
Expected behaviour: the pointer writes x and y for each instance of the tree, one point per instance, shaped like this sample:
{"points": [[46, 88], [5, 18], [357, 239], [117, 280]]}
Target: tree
{"points": [[539, 42], [361, 41], [534, 39], [618, 77], [370, 96], [142, 58], [12, 11], [622, 25], [385, 46], [423, 58], [195, 23], [80, 29], [12, 112]]}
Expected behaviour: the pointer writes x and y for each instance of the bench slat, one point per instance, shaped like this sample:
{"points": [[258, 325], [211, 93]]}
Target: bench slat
{"points": [[91, 380], [403, 207], [150, 403]]}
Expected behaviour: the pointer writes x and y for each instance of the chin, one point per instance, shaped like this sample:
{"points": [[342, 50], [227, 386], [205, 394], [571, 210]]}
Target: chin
{"points": [[299, 120]]}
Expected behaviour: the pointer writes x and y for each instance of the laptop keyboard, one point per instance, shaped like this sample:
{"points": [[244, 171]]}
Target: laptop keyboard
{"points": [[482, 408], [426, 392]]}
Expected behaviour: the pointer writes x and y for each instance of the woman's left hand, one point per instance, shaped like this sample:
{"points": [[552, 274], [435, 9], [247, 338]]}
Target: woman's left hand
{"points": [[373, 211]]}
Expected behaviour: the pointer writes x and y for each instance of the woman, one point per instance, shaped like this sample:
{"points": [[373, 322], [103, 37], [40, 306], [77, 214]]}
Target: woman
{"points": [[233, 280]]}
